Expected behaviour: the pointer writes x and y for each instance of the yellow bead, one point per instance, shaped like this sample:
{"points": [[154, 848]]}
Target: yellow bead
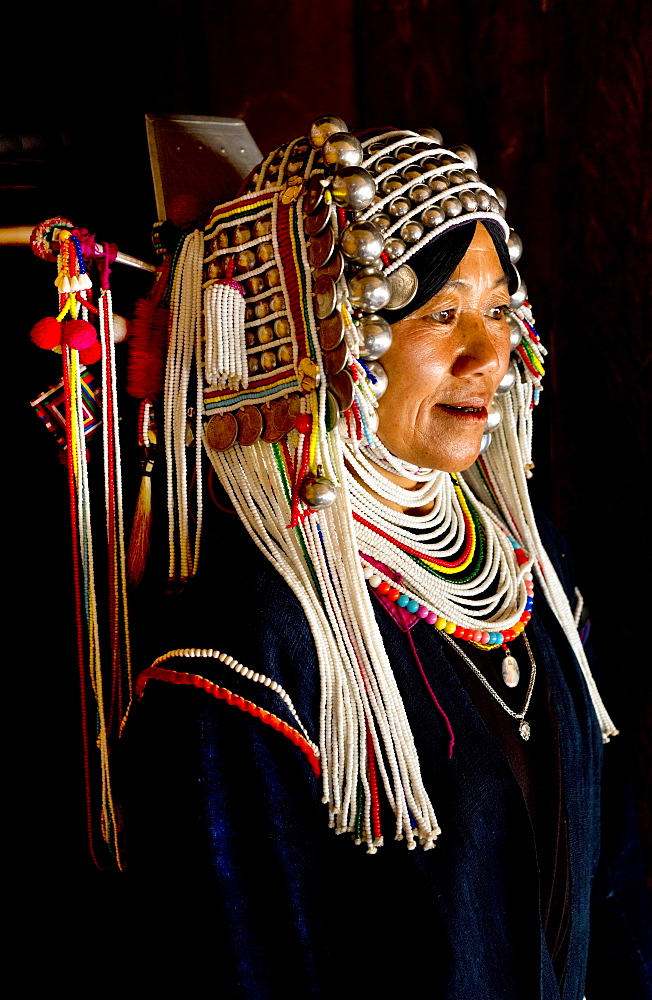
{"points": [[440, 623], [450, 627]]}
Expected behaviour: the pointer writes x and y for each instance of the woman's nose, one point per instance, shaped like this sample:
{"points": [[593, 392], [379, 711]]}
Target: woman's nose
{"points": [[477, 351]]}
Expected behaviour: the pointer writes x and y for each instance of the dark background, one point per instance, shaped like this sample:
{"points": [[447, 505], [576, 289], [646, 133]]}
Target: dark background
{"points": [[555, 98]]}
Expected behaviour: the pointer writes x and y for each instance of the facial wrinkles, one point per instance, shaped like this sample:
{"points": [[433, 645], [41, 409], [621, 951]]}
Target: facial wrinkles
{"points": [[451, 353]]}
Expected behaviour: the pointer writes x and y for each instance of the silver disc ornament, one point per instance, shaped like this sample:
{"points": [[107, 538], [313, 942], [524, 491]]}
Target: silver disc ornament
{"points": [[403, 284]]}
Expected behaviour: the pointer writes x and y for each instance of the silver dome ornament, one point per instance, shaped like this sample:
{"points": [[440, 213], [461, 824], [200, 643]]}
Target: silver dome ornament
{"points": [[471, 176], [438, 184], [323, 127], [403, 284], [494, 205], [507, 381], [502, 198], [419, 193], [411, 231], [384, 163], [483, 200], [390, 184], [382, 221], [399, 207], [455, 177], [432, 133], [484, 443], [378, 387], [452, 206], [353, 187], [317, 492], [412, 172], [515, 331], [362, 242], [519, 296], [432, 217], [394, 248], [494, 417], [375, 337], [469, 201], [467, 154], [342, 149], [515, 247], [369, 290]]}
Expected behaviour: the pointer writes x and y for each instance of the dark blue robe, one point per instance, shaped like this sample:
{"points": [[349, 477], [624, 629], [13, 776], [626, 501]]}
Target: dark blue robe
{"points": [[247, 892]]}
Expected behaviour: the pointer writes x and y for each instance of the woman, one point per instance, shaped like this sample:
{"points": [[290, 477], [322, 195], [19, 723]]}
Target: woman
{"points": [[395, 657]]}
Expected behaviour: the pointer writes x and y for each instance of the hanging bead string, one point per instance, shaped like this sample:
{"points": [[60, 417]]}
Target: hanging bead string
{"points": [[87, 612], [358, 687], [118, 606], [502, 485], [184, 347]]}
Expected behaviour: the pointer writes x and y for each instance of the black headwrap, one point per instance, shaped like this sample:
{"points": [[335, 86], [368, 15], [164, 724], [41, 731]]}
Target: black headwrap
{"points": [[435, 263]]}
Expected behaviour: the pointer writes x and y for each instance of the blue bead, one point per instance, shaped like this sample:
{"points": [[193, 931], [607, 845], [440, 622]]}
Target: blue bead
{"points": [[514, 544], [413, 606], [529, 603], [500, 638], [403, 600]]}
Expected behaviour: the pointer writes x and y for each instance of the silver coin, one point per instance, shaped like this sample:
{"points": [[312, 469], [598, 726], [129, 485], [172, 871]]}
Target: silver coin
{"points": [[403, 285]]}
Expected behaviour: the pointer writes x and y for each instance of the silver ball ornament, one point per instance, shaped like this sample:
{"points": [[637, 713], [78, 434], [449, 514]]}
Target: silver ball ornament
{"points": [[369, 290], [515, 247], [342, 150], [318, 492], [322, 128], [353, 187], [519, 296], [378, 387], [494, 417], [452, 206], [502, 198], [515, 331], [394, 248], [411, 231], [375, 336], [507, 381], [432, 133], [484, 443], [469, 201], [362, 242], [467, 154], [432, 217]]}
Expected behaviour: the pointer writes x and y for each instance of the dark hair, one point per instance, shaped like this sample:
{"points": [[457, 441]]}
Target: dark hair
{"points": [[435, 263]]}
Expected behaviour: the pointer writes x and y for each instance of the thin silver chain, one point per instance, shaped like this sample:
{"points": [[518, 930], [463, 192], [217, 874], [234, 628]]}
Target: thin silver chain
{"points": [[533, 673]]}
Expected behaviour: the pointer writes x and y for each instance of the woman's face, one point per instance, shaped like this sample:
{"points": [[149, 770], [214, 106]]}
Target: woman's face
{"points": [[445, 363]]}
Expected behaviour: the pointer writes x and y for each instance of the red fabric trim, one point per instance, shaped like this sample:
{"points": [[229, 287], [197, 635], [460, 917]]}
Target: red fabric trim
{"points": [[223, 694]]}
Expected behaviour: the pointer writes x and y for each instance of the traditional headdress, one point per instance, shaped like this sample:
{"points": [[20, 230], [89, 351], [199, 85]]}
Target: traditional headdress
{"points": [[277, 319]]}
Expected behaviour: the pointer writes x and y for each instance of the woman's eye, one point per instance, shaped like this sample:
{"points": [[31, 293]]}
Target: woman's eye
{"points": [[445, 316], [498, 312]]}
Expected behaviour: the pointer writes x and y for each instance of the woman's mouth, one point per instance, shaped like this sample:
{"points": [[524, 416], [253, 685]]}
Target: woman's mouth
{"points": [[475, 413]]}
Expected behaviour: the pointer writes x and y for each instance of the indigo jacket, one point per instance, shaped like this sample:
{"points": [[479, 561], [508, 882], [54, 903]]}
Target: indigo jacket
{"points": [[243, 886]]}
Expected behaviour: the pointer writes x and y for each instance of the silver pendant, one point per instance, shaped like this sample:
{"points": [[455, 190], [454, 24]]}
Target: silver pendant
{"points": [[524, 729], [511, 672]]}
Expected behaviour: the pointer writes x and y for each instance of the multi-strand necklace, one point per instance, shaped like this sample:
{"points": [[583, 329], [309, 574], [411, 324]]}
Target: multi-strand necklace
{"points": [[456, 566]]}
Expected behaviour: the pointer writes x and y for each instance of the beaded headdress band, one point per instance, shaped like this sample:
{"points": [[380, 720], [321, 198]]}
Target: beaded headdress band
{"points": [[277, 303]]}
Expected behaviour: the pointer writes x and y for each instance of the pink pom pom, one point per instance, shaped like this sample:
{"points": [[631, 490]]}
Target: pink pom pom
{"points": [[89, 355], [79, 333], [47, 333]]}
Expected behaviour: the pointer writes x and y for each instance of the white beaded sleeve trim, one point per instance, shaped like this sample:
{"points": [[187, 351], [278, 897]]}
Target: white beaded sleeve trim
{"points": [[191, 652]]}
